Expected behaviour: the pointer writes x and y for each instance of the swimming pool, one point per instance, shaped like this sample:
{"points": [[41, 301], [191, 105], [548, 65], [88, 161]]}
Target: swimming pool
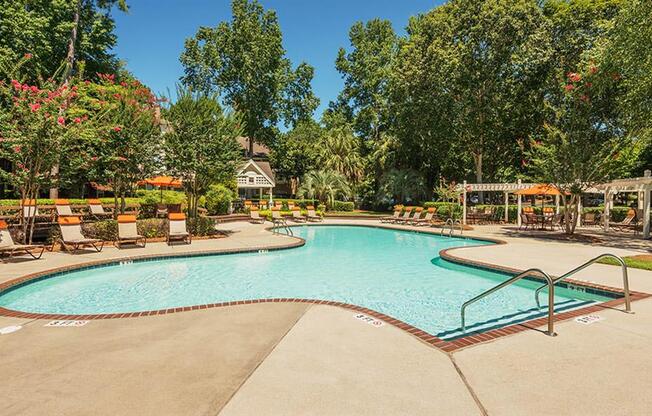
{"points": [[398, 273]]}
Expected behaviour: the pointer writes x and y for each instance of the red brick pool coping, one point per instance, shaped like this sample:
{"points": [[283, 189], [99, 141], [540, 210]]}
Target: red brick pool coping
{"points": [[444, 345]]}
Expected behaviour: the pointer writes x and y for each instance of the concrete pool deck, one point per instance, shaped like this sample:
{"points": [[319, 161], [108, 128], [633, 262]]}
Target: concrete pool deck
{"points": [[281, 359]]}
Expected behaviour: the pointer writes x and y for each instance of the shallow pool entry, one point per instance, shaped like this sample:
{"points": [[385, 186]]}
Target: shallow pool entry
{"points": [[394, 272]]}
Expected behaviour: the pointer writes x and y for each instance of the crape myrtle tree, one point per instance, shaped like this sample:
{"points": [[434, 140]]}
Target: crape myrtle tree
{"points": [[200, 145], [125, 146], [244, 62], [37, 125], [582, 144]]}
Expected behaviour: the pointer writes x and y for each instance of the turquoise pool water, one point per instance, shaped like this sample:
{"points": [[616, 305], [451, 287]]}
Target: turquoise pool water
{"points": [[398, 273]]}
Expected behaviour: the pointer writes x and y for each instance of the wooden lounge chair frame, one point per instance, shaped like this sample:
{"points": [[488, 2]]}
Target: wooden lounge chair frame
{"points": [[134, 238], [391, 218], [312, 215], [78, 242], [256, 219], [428, 219], [13, 249], [296, 215]]}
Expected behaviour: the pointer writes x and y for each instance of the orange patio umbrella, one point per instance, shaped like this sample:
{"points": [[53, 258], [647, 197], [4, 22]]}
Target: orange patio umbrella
{"points": [[163, 181], [539, 189]]}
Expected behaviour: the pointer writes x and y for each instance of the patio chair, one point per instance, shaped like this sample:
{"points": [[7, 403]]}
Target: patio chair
{"points": [[128, 231], [97, 210], [7, 245], [71, 235], [391, 218], [312, 215], [177, 230], [255, 217], [161, 210], [296, 215], [290, 206], [425, 220], [527, 221], [63, 209], [556, 221], [416, 214], [590, 218]]}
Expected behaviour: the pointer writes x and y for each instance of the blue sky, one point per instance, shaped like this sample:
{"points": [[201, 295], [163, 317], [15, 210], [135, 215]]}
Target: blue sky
{"points": [[151, 35]]}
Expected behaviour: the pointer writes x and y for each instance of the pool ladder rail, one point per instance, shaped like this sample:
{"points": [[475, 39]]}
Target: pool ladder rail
{"points": [[450, 224], [280, 223], [550, 284]]}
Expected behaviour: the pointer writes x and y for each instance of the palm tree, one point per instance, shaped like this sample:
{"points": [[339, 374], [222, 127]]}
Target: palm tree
{"points": [[324, 185], [402, 184], [340, 152]]}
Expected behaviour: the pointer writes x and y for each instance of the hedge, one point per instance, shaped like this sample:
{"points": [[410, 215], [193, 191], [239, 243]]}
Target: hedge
{"points": [[346, 206], [73, 201]]}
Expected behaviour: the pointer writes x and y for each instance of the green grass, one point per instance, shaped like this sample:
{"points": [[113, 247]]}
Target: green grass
{"points": [[358, 213], [636, 262]]}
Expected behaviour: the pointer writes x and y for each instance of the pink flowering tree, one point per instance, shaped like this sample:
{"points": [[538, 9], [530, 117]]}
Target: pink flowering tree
{"points": [[125, 146], [581, 144], [36, 127]]}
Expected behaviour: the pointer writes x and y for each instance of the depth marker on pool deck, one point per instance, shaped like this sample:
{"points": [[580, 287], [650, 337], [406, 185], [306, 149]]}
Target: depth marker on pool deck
{"points": [[589, 319], [368, 319], [66, 323]]}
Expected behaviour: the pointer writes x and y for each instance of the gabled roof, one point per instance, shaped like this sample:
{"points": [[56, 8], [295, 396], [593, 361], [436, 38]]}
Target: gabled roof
{"points": [[260, 150], [262, 167]]}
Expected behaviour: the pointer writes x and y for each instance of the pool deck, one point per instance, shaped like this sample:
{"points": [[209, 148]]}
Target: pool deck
{"points": [[301, 359]]}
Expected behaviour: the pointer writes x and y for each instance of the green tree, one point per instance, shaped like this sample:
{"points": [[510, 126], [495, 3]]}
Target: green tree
{"points": [[59, 32], [366, 70], [325, 186], [468, 77], [296, 152], [401, 186], [200, 145], [580, 146], [340, 152], [243, 60]]}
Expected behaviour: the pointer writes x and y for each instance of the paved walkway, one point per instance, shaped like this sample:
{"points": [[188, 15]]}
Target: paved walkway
{"points": [[282, 359]]}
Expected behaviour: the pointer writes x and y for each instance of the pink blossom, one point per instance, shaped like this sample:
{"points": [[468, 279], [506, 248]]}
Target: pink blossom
{"points": [[569, 87], [121, 158], [34, 89], [77, 120], [28, 56], [574, 77], [94, 158], [17, 149], [35, 107], [61, 121], [117, 128]]}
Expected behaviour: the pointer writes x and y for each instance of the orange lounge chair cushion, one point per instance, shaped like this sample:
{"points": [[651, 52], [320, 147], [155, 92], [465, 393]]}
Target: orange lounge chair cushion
{"points": [[61, 202], [3, 225], [125, 219], [94, 202], [310, 207], [176, 216], [277, 208], [69, 220], [29, 202]]}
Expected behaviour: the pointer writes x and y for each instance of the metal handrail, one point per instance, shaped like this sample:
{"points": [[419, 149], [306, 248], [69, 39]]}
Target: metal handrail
{"points": [[280, 222], [623, 266], [451, 223], [449, 220], [461, 226], [551, 297]]}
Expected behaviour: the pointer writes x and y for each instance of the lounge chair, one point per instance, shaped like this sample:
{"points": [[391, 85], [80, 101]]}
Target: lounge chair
{"points": [[425, 220], [71, 235], [391, 218], [177, 229], [406, 216], [590, 218], [416, 214], [63, 208], [628, 223], [527, 222], [30, 209], [97, 210], [312, 216], [255, 216], [128, 231], [296, 215], [7, 245], [161, 210]]}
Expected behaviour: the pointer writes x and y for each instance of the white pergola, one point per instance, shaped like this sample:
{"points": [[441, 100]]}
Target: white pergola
{"points": [[642, 186], [505, 188]]}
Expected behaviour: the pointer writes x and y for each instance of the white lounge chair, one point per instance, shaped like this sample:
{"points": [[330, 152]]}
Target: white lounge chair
{"points": [[128, 231], [425, 220], [406, 216], [63, 208], [392, 218], [312, 216], [254, 215], [97, 210], [71, 235], [7, 245], [177, 230], [296, 215]]}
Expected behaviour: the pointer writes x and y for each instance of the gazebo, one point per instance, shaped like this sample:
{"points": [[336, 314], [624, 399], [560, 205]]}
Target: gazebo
{"points": [[505, 188]]}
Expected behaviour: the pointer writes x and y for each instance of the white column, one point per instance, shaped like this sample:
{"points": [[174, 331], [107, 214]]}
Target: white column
{"points": [[607, 208], [519, 204], [506, 207], [578, 220], [464, 203], [270, 198], [640, 197], [556, 204], [261, 194], [646, 212]]}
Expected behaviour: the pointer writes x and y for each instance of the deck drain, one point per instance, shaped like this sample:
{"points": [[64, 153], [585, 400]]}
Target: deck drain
{"points": [[66, 323], [368, 319], [588, 319], [9, 329]]}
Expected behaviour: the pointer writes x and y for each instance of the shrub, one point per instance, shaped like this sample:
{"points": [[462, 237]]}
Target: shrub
{"points": [[343, 206], [218, 199], [201, 226], [106, 230], [152, 227]]}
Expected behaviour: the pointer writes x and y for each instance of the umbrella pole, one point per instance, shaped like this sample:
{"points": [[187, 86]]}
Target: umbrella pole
{"points": [[161, 194]]}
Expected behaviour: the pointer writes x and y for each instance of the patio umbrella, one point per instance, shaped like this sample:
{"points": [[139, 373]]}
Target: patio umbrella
{"points": [[163, 181], [539, 189]]}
